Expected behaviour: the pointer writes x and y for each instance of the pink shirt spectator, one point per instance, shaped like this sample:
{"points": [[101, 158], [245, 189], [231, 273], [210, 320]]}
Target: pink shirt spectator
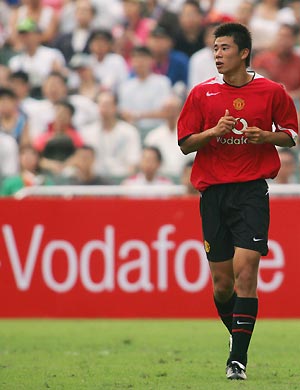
{"points": [[42, 139], [55, 4]]}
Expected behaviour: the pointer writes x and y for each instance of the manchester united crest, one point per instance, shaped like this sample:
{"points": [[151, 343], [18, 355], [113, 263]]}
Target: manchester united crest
{"points": [[206, 246], [239, 104]]}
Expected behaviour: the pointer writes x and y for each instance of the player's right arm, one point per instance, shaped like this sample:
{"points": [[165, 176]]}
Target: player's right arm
{"points": [[194, 142]]}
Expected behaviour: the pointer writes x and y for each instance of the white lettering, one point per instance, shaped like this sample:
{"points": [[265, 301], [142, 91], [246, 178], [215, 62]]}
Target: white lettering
{"points": [[162, 245], [180, 269], [232, 140], [22, 277], [142, 263], [276, 262], [72, 268], [107, 248], [135, 266]]}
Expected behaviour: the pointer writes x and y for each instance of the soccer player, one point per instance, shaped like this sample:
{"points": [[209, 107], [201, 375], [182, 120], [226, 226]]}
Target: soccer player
{"points": [[234, 121]]}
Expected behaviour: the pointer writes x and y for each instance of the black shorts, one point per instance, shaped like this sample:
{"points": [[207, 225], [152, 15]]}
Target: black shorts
{"points": [[235, 215]]}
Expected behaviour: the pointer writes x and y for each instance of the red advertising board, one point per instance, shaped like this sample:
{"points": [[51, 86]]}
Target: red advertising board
{"points": [[128, 258]]}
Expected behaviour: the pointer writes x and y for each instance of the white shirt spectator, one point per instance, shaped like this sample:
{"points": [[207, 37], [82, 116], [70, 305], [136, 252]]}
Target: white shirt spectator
{"points": [[9, 155], [201, 67], [141, 96], [227, 7], [108, 14], [173, 160], [117, 150], [111, 71], [37, 66]]}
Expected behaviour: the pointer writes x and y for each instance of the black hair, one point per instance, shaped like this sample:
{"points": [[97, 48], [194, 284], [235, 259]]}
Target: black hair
{"points": [[155, 150], [101, 33], [58, 75], [141, 50], [195, 4], [294, 29], [7, 92], [65, 103], [240, 34], [20, 75]]}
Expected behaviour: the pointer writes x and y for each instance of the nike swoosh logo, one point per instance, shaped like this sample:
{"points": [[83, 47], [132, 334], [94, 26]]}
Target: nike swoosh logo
{"points": [[243, 323], [212, 93], [257, 239]]}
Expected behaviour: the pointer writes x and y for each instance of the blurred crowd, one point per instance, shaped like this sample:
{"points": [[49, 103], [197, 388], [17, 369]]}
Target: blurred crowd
{"points": [[90, 90]]}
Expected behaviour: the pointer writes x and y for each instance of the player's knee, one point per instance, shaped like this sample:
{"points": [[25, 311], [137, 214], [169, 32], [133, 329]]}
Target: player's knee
{"points": [[223, 289]]}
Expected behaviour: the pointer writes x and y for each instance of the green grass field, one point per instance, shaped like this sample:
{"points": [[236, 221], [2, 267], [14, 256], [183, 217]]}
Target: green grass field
{"points": [[142, 354]]}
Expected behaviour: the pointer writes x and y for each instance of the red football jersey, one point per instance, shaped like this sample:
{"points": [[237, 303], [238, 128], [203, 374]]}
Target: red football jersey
{"points": [[230, 158]]}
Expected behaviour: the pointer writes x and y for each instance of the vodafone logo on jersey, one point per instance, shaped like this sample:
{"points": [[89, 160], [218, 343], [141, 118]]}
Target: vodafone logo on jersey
{"points": [[240, 125]]}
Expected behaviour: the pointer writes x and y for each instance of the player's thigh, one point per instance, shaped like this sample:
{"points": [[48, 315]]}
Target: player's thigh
{"points": [[250, 221], [217, 237]]}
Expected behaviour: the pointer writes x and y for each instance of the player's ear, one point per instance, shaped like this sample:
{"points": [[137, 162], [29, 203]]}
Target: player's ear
{"points": [[244, 53]]}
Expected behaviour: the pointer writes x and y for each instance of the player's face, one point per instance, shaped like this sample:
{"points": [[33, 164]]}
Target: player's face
{"points": [[228, 59]]}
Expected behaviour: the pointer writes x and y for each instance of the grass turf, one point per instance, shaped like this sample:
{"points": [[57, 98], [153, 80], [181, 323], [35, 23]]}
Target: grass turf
{"points": [[142, 354]]}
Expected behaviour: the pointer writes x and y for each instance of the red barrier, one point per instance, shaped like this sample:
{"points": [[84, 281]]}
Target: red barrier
{"points": [[128, 258]]}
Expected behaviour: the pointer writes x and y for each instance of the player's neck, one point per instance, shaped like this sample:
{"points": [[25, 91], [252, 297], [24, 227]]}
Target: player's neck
{"points": [[238, 79]]}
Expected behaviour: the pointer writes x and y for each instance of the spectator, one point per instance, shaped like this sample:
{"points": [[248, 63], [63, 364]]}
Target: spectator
{"points": [[55, 89], [12, 120], [282, 64], [244, 12], [189, 38], [288, 170], [77, 40], [107, 14], [220, 11], [82, 80], [167, 61], [43, 16], [8, 156], [265, 23], [227, 7], [157, 11], [117, 143], [19, 83], [185, 179], [60, 140], [110, 68], [81, 168], [36, 60], [290, 14], [30, 173], [141, 97], [148, 174], [134, 30], [202, 64], [164, 138], [55, 4]]}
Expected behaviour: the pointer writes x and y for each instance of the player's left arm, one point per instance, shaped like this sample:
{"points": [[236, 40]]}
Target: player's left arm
{"points": [[256, 135]]}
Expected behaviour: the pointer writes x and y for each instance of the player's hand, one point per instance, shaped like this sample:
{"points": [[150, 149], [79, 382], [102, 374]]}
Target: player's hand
{"points": [[225, 125], [255, 135]]}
